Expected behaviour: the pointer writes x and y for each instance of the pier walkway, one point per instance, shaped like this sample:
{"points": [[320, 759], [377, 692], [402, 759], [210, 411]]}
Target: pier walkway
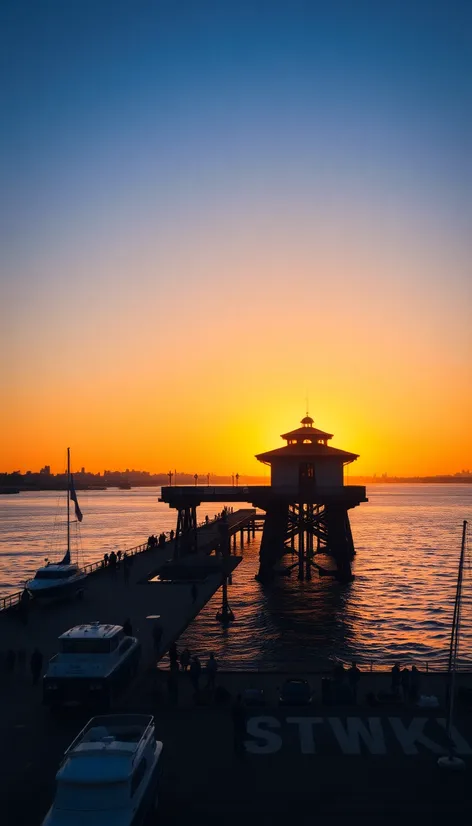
{"points": [[109, 598]]}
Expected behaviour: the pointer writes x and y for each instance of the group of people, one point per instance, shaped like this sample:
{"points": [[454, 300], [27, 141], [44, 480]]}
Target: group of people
{"points": [[221, 515], [158, 541], [352, 675], [15, 662], [405, 683], [184, 662], [113, 562]]}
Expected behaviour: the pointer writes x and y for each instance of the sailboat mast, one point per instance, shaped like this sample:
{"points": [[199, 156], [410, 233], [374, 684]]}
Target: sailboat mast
{"points": [[68, 500], [455, 633]]}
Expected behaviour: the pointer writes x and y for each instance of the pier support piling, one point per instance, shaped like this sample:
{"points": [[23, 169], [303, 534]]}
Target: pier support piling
{"points": [[299, 528], [225, 614]]}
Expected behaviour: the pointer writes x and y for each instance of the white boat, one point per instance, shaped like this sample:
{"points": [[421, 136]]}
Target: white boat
{"points": [[95, 663], [109, 774], [64, 579], [56, 581]]}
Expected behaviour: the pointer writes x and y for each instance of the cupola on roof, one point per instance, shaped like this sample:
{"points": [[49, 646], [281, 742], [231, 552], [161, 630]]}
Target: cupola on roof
{"points": [[309, 442], [306, 431]]}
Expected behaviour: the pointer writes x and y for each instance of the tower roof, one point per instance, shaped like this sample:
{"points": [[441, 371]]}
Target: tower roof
{"points": [[307, 451], [307, 432], [307, 442]]}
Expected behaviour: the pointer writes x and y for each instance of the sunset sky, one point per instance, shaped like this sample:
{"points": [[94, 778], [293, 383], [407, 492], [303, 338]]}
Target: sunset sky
{"points": [[212, 210]]}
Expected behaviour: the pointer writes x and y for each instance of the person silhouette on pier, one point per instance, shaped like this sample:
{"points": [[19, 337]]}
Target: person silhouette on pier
{"points": [[126, 564], [173, 654], [157, 637], [195, 671], [339, 673], [112, 562], [211, 668], [185, 659], [354, 675], [396, 680], [405, 683], [171, 535]]}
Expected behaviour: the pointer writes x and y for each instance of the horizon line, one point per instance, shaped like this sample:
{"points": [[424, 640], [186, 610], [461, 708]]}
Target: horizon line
{"points": [[103, 474]]}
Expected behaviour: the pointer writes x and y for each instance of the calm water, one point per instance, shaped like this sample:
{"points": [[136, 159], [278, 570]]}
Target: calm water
{"points": [[399, 606]]}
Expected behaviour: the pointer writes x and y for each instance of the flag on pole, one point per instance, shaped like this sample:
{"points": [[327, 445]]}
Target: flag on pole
{"points": [[73, 497]]}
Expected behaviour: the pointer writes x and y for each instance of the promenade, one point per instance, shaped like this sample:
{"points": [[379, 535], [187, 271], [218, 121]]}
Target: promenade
{"points": [[323, 764]]}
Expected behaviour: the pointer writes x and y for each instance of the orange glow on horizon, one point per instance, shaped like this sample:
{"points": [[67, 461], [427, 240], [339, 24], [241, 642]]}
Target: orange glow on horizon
{"points": [[203, 384]]}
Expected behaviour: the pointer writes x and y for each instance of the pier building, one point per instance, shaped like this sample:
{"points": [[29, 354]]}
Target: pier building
{"points": [[306, 506]]}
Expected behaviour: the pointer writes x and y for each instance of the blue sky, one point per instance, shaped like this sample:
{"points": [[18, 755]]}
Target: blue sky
{"points": [[215, 150]]}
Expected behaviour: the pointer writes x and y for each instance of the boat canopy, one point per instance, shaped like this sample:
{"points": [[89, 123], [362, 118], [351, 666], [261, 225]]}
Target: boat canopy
{"points": [[54, 572]]}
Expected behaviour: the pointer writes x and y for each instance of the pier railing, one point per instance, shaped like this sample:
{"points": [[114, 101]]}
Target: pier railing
{"points": [[10, 600]]}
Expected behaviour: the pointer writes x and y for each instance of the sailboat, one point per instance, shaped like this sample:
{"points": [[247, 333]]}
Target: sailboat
{"points": [[62, 579], [450, 760]]}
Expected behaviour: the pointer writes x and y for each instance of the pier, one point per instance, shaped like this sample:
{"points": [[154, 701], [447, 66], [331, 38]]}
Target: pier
{"points": [[159, 584], [306, 506]]}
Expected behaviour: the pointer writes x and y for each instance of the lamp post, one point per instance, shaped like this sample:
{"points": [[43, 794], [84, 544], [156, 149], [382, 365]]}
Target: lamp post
{"points": [[208, 479], [196, 479], [170, 475], [237, 479], [232, 479]]}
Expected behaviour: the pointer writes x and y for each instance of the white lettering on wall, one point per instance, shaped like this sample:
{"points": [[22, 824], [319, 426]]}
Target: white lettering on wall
{"points": [[305, 731], [258, 727], [409, 735], [461, 745], [350, 737]]}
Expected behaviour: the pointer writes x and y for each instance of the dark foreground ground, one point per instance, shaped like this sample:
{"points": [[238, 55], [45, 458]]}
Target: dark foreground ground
{"points": [[321, 764]]}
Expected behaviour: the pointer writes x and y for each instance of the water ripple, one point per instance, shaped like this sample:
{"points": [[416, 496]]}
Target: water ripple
{"points": [[399, 606]]}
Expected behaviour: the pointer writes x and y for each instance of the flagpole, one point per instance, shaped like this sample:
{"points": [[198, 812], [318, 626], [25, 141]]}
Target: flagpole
{"points": [[68, 500]]}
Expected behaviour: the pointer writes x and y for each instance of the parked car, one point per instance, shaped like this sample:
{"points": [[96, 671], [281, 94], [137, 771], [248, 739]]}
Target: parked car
{"points": [[295, 693], [253, 697]]}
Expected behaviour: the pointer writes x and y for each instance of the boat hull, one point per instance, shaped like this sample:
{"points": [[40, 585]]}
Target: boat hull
{"points": [[56, 590]]}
